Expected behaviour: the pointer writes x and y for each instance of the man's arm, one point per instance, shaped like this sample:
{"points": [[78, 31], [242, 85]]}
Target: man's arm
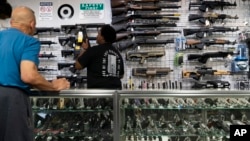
{"points": [[85, 46], [31, 76]]}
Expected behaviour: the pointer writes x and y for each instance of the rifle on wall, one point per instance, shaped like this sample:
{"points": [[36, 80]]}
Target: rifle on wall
{"points": [[144, 54], [136, 7], [120, 27], [119, 3], [134, 43], [202, 71], [204, 5], [200, 32], [143, 33], [151, 71], [44, 55], [211, 17], [165, 17], [200, 44], [202, 58], [46, 29]]}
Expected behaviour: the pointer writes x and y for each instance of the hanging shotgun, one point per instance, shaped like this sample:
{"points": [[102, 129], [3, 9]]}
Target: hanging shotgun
{"points": [[202, 58], [200, 44], [200, 32], [119, 3], [151, 71], [142, 33], [136, 7], [202, 71], [121, 27], [211, 17], [204, 5], [144, 54], [165, 17], [134, 43]]}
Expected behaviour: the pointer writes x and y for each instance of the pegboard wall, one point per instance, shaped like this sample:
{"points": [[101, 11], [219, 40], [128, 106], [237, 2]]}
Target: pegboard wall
{"points": [[168, 63], [218, 72]]}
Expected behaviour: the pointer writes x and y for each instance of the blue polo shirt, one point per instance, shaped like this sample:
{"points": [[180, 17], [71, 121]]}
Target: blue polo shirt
{"points": [[16, 46]]}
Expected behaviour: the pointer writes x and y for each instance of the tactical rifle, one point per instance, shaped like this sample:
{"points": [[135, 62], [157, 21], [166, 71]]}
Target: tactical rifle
{"points": [[200, 44], [211, 17], [136, 7], [46, 29], [134, 43], [202, 71], [200, 32], [144, 54], [42, 69], [119, 3], [44, 55], [202, 58], [151, 71], [166, 17], [120, 27], [69, 28], [203, 5], [128, 34], [65, 65], [66, 53], [47, 43], [70, 41], [74, 79], [211, 84]]}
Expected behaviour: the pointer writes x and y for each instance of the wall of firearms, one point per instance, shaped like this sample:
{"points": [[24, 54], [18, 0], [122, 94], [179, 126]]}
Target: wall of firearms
{"points": [[166, 44], [200, 45]]}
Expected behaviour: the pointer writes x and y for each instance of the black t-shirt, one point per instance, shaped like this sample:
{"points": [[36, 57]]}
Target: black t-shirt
{"points": [[104, 67]]}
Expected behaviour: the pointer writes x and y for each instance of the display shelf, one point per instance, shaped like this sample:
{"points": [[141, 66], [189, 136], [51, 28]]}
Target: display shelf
{"points": [[181, 115], [76, 115]]}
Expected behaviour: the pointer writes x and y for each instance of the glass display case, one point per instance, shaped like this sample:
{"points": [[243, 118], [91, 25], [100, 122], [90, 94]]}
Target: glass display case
{"points": [[73, 115], [181, 115], [177, 115]]}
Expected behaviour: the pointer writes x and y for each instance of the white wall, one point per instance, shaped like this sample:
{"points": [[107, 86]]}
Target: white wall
{"points": [[48, 15]]}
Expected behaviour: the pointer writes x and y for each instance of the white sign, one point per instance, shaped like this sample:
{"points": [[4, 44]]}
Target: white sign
{"points": [[45, 11]]}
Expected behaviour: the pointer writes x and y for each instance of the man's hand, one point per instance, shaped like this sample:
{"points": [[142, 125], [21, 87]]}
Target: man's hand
{"points": [[61, 84], [85, 44]]}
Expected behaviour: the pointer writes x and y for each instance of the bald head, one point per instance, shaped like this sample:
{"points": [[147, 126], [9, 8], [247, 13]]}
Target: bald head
{"points": [[23, 18]]}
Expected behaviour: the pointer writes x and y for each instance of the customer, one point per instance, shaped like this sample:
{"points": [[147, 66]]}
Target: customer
{"points": [[104, 63], [18, 74]]}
